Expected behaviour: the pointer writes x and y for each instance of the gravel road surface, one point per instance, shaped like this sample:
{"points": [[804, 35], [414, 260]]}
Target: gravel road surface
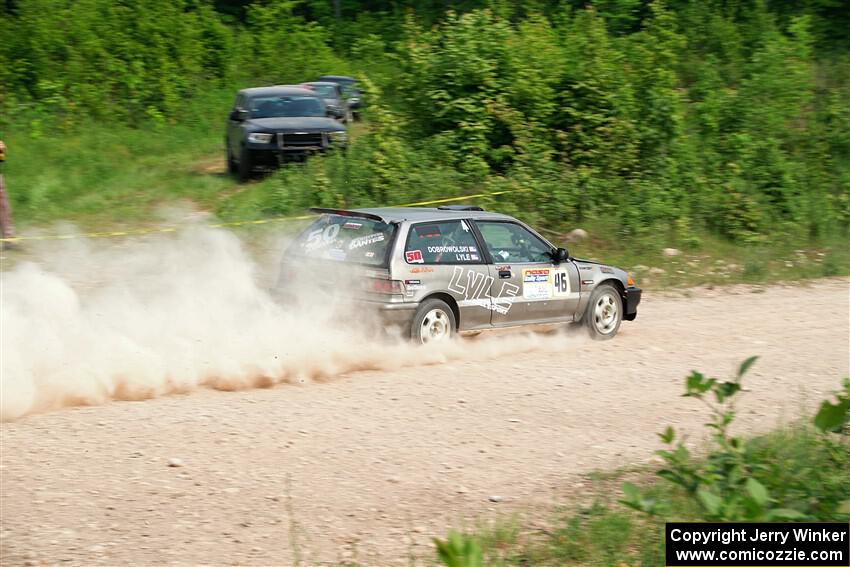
{"points": [[369, 466]]}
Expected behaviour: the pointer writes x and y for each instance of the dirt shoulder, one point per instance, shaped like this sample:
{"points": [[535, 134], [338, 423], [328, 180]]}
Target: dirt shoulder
{"points": [[370, 465]]}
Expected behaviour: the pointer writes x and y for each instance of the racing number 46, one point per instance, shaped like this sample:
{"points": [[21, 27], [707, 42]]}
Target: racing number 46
{"points": [[562, 282]]}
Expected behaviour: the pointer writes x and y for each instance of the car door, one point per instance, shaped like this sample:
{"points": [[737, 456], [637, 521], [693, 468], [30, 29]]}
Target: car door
{"points": [[443, 256], [528, 287]]}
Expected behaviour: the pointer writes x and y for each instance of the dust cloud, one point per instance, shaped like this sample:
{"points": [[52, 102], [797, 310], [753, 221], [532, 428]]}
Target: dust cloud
{"points": [[86, 322]]}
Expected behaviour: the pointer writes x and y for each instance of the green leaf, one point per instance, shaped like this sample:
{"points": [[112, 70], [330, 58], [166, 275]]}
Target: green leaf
{"points": [[693, 383], [711, 502], [630, 491], [726, 390], [757, 491], [668, 435], [832, 417], [745, 366]]}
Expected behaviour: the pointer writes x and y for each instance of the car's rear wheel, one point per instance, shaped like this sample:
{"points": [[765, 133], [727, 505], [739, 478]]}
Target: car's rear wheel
{"points": [[245, 165], [604, 312], [434, 322]]}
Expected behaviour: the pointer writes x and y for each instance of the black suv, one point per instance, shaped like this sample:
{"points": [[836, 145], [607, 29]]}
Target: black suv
{"points": [[349, 88], [271, 125], [335, 100]]}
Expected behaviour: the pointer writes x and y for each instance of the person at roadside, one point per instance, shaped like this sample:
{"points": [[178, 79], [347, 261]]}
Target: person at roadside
{"points": [[7, 228]]}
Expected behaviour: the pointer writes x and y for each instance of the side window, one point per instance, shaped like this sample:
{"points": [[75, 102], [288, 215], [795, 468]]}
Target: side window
{"points": [[443, 242], [511, 243]]}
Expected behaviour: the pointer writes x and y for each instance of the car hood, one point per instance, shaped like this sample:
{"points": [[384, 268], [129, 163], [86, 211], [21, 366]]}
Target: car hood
{"points": [[296, 124]]}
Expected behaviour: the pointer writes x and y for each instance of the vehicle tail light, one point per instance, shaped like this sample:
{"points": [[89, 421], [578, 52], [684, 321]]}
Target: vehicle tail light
{"points": [[392, 287]]}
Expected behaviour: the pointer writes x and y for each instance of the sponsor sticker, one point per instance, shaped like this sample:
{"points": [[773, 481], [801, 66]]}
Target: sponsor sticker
{"points": [[412, 282], [423, 270], [361, 241], [352, 225], [537, 283], [414, 257], [475, 289], [448, 249], [370, 254]]}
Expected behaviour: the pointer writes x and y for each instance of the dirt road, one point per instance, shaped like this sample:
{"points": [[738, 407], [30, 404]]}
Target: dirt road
{"points": [[368, 466]]}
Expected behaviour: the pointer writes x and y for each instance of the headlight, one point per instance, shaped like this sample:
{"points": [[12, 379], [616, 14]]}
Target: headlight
{"points": [[353, 100], [260, 138], [338, 137]]}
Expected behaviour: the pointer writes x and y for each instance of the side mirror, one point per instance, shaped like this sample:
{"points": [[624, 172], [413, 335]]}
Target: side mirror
{"points": [[560, 255], [239, 115]]}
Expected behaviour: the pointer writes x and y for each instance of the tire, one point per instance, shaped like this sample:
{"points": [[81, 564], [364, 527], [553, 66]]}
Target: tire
{"points": [[604, 312], [232, 166], [434, 322], [245, 166]]}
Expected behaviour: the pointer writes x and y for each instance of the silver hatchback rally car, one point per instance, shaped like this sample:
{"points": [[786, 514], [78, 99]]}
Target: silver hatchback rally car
{"points": [[452, 269]]}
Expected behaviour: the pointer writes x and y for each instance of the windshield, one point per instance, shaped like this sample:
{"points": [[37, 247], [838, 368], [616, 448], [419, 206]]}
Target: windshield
{"points": [[325, 91], [286, 106], [346, 239]]}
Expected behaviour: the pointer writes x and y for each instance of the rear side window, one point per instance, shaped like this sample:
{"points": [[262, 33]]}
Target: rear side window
{"points": [[346, 239], [445, 242]]}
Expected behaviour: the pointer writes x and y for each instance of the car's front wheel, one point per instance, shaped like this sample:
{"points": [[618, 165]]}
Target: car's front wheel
{"points": [[434, 322], [245, 165], [232, 166], [604, 312]]}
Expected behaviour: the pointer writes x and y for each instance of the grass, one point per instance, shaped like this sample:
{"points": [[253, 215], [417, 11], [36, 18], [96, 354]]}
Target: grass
{"points": [[802, 465], [114, 177]]}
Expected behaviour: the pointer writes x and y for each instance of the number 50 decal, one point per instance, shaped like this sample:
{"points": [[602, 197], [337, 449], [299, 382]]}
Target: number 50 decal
{"points": [[562, 283]]}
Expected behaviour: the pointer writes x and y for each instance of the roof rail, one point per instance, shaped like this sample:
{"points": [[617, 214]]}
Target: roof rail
{"points": [[459, 208]]}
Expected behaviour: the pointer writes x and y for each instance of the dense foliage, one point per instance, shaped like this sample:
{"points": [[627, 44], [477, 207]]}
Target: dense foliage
{"points": [[726, 116]]}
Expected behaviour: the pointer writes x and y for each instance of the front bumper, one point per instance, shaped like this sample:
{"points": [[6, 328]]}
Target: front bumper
{"points": [[631, 299]]}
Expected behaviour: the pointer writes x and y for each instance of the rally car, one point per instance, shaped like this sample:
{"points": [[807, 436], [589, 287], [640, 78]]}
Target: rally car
{"points": [[442, 271]]}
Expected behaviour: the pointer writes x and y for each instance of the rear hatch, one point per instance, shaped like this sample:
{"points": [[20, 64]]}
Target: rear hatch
{"points": [[341, 255]]}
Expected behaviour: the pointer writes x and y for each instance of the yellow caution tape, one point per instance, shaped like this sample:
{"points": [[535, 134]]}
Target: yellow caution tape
{"points": [[140, 231]]}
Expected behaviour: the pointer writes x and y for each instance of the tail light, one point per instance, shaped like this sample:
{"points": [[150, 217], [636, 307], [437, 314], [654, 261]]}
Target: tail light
{"points": [[392, 287]]}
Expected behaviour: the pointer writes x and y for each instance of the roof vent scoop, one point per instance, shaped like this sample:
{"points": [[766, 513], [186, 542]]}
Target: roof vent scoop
{"points": [[459, 208]]}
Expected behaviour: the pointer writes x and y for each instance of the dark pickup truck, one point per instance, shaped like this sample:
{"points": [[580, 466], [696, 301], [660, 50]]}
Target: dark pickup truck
{"points": [[272, 125]]}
